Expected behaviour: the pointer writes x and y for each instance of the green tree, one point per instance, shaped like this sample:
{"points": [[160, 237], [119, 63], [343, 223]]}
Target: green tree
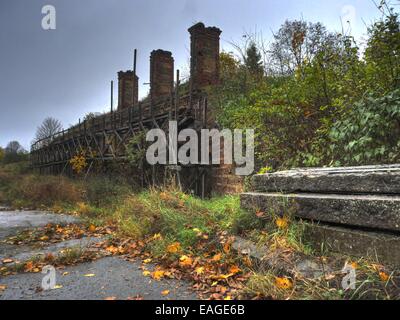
{"points": [[14, 152], [253, 60], [382, 54], [49, 127], [321, 101]]}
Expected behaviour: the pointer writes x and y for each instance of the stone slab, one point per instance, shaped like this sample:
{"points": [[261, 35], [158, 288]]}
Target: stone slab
{"points": [[21, 254], [379, 247], [346, 180], [12, 222], [297, 264], [377, 212]]}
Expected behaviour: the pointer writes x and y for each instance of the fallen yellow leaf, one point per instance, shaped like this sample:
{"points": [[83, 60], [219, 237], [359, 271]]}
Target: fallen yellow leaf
{"points": [[222, 276], [59, 286], [146, 273], [384, 276], [199, 270], [147, 261], [234, 269], [281, 223], [92, 228], [165, 293], [29, 266], [89, 275], [283, 283], [112, 249], [174, 247], [217, 257], [158, 275], [354, 265], [157, 236], [185, 261], [227, 247]]}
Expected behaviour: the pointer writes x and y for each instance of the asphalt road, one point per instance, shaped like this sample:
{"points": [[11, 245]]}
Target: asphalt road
{"points": [[111, 276]]}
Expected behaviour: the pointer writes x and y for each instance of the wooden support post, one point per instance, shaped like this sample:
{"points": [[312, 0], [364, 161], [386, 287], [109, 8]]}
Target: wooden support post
{"points": [[134, 62], [205, 107], [112, 95], [177, 94]]}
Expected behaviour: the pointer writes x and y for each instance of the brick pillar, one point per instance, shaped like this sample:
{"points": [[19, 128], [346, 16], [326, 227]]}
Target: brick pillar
{"points": [[128, 89], [161, 73], [204, 56]]}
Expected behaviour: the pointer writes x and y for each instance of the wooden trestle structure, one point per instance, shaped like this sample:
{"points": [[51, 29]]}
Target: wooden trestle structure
{"points": [[106, 137]]}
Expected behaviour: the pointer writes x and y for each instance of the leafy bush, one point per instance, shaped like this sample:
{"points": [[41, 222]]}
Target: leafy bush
{"points": [[104, 190], [369, 132], [35, 191], [310, 107]]}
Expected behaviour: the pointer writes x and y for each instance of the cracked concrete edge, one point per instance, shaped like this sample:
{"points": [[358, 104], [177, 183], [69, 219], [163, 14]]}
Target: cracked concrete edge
{"points": [[56, 250], [378, 212], [298, 264]]}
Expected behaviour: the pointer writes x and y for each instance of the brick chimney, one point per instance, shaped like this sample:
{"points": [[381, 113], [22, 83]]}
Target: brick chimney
{"points": [[204, 56], [128, 89], [161, 73]]}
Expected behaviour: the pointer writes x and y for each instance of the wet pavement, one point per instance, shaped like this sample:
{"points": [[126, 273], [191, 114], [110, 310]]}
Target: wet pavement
{"points": [[108, 277]]}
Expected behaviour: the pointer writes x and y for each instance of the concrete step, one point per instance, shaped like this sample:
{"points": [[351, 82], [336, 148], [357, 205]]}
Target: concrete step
{"points": [[348, 180], [370, 211], [380, 247]]}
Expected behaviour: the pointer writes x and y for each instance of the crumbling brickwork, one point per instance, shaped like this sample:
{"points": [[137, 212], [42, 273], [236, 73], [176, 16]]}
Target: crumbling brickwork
{"points": [[128, 89], [161, 73], [204, 56], [189, 107]]}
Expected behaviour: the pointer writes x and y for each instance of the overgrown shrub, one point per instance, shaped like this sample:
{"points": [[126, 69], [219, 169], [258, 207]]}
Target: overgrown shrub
{"points": [[369, 132], [105, 190], [34, 191], [309, 107]]}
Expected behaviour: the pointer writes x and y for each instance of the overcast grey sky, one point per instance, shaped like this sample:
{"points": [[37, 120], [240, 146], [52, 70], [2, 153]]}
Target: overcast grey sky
{"points": [[65, 73]]}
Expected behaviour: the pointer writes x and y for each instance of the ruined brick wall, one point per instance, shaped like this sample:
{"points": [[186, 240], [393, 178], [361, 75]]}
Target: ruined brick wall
{"points": [[161, 74], [204, 56], [128, 90], [191, 106]]}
